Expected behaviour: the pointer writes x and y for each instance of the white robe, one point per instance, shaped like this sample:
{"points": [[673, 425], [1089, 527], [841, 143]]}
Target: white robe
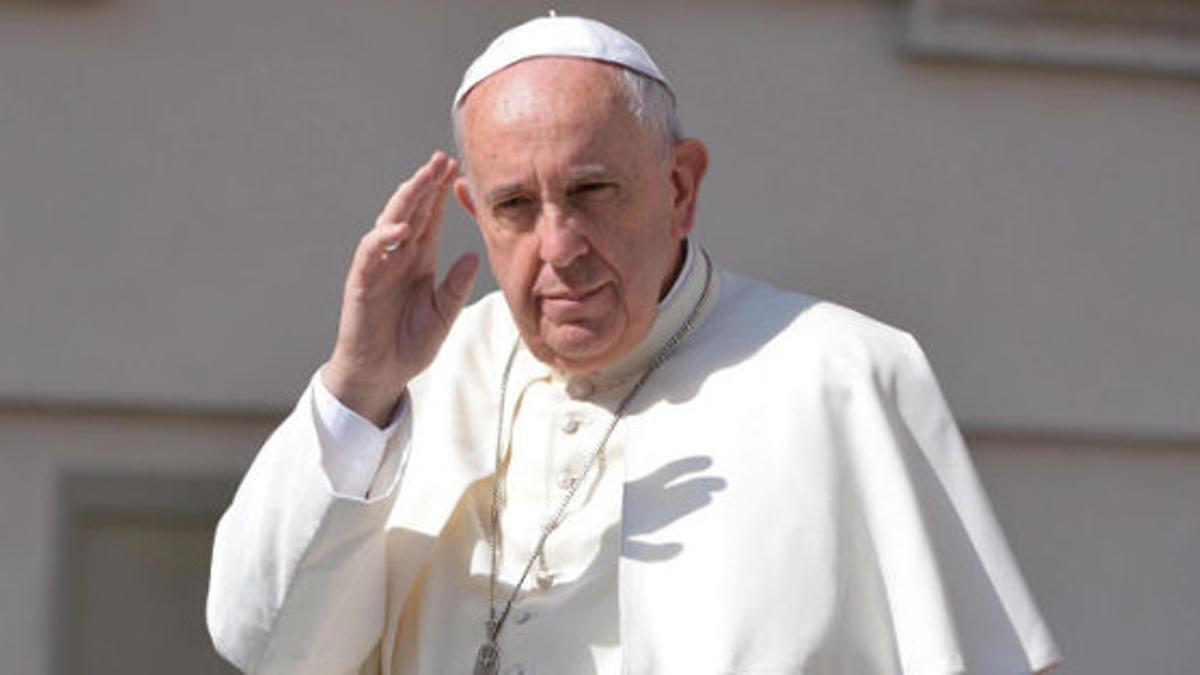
{"points": [[850, 533]]}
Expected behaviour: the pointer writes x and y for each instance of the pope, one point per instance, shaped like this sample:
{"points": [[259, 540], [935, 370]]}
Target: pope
{"points": [[628, 460]]}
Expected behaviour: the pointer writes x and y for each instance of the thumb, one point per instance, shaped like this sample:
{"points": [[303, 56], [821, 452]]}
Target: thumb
{"points": [[454, 290]]}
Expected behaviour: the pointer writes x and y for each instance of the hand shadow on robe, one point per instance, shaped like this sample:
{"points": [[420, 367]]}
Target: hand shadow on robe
{"points": [[661, 498], [670, 493]]}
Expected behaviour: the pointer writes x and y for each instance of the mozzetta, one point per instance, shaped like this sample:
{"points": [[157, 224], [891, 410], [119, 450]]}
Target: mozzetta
{"points": [[787, 494]]}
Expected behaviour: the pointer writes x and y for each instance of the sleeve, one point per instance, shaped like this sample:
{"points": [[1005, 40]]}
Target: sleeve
{"points": [[994, 612], [298, 583], [957, 599], [352, 447]]}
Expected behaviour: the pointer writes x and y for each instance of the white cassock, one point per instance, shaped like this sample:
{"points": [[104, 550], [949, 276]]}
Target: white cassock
{"points": [[787, 494]]}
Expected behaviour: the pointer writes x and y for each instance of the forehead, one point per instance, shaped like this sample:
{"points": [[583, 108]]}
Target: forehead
{"points": [[557, 82], [562, 105]]}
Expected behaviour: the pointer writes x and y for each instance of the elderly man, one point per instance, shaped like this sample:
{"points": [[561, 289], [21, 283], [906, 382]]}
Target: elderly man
{"points": [[631, 460]]}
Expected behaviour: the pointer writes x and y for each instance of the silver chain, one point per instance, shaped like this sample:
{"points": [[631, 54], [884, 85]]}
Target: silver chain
{"points": [[496, 623]]}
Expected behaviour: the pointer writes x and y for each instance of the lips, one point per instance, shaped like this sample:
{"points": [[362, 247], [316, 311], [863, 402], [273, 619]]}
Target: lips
{"points": [[571, 296], [567, 302]]}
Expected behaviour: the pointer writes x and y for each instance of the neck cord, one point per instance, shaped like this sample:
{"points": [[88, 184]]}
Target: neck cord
{"points": [[488, 658]]}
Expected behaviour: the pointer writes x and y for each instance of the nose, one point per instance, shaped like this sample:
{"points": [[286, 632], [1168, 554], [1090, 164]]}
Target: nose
{"points": [[560, 241]]}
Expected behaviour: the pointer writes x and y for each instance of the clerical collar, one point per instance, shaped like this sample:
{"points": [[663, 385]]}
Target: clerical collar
{"points": [[673, 310]]}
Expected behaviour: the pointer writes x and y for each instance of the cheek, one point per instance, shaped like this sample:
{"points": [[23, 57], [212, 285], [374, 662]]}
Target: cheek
{"points": [[514, 264]]}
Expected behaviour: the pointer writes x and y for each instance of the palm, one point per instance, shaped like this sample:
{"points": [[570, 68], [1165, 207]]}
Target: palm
{"points": [[394, 317]]}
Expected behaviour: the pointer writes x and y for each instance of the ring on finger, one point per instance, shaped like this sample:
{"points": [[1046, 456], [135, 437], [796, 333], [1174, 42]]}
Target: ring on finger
{"points": [[391, 247]]}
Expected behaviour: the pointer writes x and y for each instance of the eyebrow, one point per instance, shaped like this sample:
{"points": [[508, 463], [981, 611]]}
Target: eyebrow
{"points": [[589, 171]]}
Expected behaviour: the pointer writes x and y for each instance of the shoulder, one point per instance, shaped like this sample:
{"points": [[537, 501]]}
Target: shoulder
{"points": [[790, 328]]}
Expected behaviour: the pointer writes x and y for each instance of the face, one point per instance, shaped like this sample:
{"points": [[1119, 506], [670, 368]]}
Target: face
{"points": [[583, 219]]}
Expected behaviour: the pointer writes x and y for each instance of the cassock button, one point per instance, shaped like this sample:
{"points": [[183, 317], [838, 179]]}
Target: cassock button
{"points": [[570, 425], [580, 388]]}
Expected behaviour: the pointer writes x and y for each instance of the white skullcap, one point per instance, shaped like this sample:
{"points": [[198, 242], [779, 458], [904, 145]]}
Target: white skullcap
{"points": [[552, 35]]}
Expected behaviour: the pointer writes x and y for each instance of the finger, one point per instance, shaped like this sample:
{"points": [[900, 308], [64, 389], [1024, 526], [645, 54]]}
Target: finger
{"points": [[425, 208], [393, 237], [433, 224], [408, 195], [373, 247], [411, 240], [454, 290]]}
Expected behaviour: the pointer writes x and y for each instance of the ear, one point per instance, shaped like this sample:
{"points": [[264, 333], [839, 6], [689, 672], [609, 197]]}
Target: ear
{"points": [[462, 192], [688, 166]]}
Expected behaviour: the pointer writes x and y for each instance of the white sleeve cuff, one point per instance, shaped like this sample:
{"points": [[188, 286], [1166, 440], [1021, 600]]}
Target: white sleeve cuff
{"points": [[352, 447]]}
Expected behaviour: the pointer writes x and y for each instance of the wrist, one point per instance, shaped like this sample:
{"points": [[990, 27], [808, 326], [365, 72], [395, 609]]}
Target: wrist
{"points": [[372, 399]]}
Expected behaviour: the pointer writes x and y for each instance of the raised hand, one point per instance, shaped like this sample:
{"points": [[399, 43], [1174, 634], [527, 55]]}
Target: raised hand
{"points": [[393, 317]]}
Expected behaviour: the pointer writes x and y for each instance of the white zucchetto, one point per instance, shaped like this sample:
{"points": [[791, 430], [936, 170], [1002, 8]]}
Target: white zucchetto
{"points": [[571, 36]]}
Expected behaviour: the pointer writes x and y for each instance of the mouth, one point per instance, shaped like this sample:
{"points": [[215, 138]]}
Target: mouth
{"points": [[567, 300]]}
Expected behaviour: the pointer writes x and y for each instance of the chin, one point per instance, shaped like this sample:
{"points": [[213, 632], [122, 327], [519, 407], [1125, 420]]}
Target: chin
{"points": [[578, 348]]}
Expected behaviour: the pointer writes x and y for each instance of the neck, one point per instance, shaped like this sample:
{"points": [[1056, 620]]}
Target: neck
{"points": [[673, 271]]}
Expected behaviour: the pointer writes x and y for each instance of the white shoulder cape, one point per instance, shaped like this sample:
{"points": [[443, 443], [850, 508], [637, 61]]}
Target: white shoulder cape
{"points": [[849, 533]]}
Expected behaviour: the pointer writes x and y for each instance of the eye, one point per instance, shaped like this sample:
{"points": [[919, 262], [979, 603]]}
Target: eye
{"points": [[512, 203], [593, 189]]}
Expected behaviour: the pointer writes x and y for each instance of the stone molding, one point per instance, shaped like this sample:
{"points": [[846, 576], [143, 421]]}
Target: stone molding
{"points": [[1148, 35]]}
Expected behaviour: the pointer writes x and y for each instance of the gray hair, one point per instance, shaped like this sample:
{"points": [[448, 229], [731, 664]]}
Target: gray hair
{"points": [[651, 103]]}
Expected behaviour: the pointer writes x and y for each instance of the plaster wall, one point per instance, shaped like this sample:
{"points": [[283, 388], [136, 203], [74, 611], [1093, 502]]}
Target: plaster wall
{"points": [[181, 185]]}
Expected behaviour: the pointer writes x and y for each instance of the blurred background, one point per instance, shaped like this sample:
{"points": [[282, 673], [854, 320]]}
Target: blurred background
{"points": [[1016, 182]]}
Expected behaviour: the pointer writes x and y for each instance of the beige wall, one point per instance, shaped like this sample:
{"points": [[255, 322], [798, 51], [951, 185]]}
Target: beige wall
{"points": [[173, 173], [1108, 537], [38, 449], [181, 184]]}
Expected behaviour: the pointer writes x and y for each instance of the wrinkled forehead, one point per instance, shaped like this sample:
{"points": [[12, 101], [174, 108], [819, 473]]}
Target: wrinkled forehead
{"points": [[554, 112]]}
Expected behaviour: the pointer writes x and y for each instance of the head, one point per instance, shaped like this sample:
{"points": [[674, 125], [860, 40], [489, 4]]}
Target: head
{"points": [[584, 196]]}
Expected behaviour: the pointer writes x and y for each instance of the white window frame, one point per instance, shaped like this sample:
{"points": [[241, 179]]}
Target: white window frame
{"points": [[1150, 35]]}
